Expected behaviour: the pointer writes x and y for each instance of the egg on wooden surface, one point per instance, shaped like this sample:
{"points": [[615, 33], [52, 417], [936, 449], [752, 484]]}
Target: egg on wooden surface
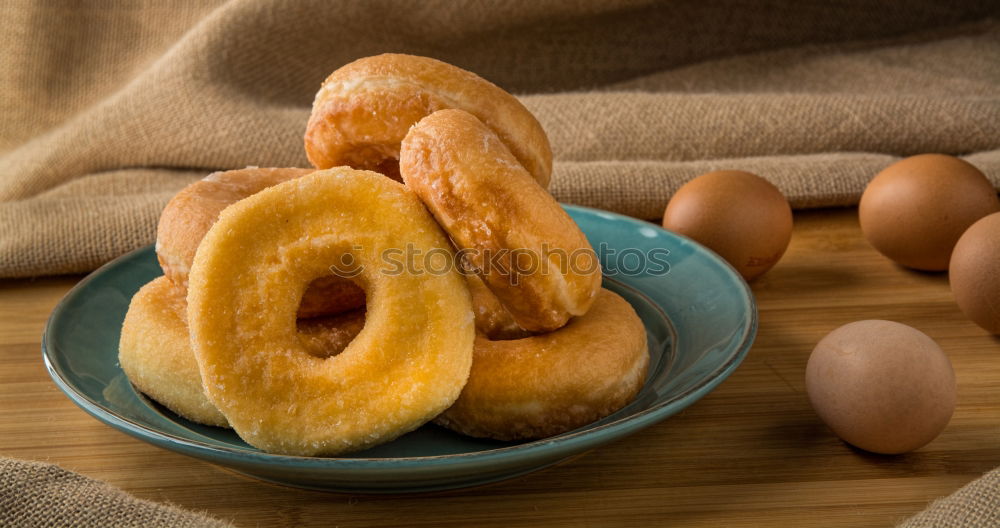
{"points": [[974, 273], [915, 210], [741, 216], [881, 386]]}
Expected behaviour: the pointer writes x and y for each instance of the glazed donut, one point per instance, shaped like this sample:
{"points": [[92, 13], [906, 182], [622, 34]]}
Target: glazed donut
{"points": [[408, 363], [190, 214], [548, 384], [155, 349], [527, 250], [363, 110]]}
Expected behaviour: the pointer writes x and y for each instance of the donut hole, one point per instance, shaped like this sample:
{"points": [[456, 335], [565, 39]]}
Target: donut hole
{"points": [[325, 283], [332, 311], [328, 336], [330, 295]]}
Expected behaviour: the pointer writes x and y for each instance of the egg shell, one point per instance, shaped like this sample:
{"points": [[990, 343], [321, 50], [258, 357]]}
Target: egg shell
{"points": [[915, 210], [741, 216], [974, 273], [881, 386]]}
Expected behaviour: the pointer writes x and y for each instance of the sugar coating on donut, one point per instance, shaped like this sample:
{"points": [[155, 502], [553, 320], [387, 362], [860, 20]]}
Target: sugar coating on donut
{"points": [[364, 109], [527, 249], [548, 384], [408, 363]]}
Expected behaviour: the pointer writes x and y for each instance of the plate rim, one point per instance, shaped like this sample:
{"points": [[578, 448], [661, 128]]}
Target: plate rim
{"points": [[585, 438]]}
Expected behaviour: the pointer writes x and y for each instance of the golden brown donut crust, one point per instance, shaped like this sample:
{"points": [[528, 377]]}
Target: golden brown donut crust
{"points": [[364, 109], [190, 214], [489, 204], [548, 384]]}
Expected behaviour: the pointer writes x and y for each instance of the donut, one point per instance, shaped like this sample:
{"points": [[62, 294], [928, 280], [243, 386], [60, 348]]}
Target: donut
{"points": [[548, 384], [155, 349], [524, 246], [190, 214], [364, 109], [408, 363]]}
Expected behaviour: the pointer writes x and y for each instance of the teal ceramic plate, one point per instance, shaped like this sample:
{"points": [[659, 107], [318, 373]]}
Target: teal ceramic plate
{"points": [[699, 315]]}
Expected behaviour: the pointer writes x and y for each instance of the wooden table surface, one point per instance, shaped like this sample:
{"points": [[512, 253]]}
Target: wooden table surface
{"points": [[751, 453]]}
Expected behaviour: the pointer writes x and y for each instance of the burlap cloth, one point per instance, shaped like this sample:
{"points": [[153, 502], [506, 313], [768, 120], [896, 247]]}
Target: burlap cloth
{"points": [[108, 108], [34, 494]]}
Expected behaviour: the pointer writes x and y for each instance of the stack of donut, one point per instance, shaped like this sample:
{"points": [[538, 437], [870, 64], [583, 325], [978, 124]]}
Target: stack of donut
{"points": [[278, 316]]}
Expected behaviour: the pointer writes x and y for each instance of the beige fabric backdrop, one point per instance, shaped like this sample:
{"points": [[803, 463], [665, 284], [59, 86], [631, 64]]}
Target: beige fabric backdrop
{"points": [[110, 107]]}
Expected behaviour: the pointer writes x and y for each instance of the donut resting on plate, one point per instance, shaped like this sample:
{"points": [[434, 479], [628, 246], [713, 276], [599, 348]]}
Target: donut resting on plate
{"points": [[408, 363], [549, 384]]}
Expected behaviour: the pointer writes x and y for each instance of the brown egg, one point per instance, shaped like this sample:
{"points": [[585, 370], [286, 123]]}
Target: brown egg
{"points": [[882, 386], [914, 211], [740, 216], [974, 273]]}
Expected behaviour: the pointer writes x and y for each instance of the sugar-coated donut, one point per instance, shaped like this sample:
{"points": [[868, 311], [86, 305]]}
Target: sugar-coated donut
{"points": [[190, 214], [528, 251], [408, 363], [155, 348], [363, 110], [548, 384]]}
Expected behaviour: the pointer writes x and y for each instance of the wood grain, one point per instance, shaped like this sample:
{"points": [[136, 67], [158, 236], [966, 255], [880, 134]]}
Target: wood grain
{"points": [[751, 453]]}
